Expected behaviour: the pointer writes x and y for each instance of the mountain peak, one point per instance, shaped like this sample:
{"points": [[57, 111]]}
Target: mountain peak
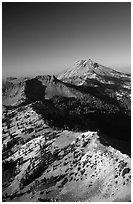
{"points": [[92, 63], [88, 69], [84, 61], [87, 65], [81, 68]]}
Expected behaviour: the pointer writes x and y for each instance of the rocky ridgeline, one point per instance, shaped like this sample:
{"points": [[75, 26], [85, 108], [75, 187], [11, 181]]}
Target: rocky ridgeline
{"points": [[44, 164]]}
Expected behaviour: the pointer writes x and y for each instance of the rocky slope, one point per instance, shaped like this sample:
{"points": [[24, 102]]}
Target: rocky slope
{"points": [[13, 91], [43, 164]]}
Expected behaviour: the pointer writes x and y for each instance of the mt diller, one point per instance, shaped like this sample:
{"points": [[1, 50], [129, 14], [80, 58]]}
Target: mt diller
{"points": [[67, 137]]}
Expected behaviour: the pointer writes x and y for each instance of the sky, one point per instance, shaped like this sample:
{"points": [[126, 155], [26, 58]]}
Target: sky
{"points": [[47, 38]]}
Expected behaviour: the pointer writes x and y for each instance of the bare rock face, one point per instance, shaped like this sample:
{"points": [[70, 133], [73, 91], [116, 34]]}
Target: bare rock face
{"points": [[13, 91]]}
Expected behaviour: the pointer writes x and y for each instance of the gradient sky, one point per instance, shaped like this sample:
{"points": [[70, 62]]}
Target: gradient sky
{"points": [[46, 38]]}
